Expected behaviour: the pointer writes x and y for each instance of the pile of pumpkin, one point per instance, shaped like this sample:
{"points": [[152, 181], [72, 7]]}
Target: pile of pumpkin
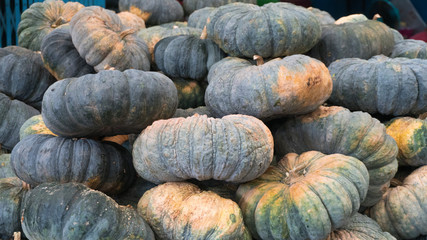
{"points": [[243, 122]]}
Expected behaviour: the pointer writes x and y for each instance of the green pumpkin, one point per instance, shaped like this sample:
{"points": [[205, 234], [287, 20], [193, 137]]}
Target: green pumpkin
{"points": [[108, 103], [190, 6], [337, 130], [323, 16], [6, 169], [198, 19], [132, 195], [34, 125], [410, 48], [180, 210], [235, 148], [388, 86], [304, 197], [74, 211], [273, 30], [191, 94]]}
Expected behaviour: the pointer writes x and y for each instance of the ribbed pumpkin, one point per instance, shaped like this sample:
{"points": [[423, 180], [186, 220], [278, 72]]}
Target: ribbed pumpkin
{"points": [[350, 40], [273, 30], [131, 20], [41, 18], [191, 94], [337, 130], [293, 85], [6, 170], [60, 56], [108, 103], [103, 41], [304, 197], [410, 48], [389, 86], [410, 135], [182, 211], [402, 211], [13, 114], [198, 19], [104, 166], [73, 211], [34, 125], [23, 76], [154, 12], [192, 5], [235, 148], [360, 227], [323, 16]]}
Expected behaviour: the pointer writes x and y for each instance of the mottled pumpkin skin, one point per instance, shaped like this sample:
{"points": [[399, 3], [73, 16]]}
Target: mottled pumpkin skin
{"points": [[304, 197], [154, 12], [349, 40], [198, 19], [410, 48], [104, 42], [104, 166], [13, 114], [41, 18], [11, 194], [34, 125], [360, 227], [191, 94], [23, 76], [235, 148], [131, 20], [388, 86], [402, 210], [60, 56], [337, 130], [281, 87], [323, 16], [410, 135], [108, 103], [180, 210], [6, 170], [273, 30], [74, 211], [191, 6]]}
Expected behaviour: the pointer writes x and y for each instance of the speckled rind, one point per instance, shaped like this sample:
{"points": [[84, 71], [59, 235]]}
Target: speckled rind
{"points": [[410, 48], [11, 194]]}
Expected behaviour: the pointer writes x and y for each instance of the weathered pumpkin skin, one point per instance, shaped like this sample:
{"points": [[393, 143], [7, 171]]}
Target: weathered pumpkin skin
{"points": [[13, 114], [402, 210], [6, 169], [337, 130], [323, 16], [104, 166], [41, 18], [351, 19], [410, 48], [23, 76], [360, 227], [273, 30], [104, 42], [388, 86], [180, 210], [34, 125], [349, 40], [154, 12], [203, 110], [11, 194], [235, 148], [191, 6], [74, 211], [190, 93], [131, 20], [60, 56], [410, 135], [108, 103], [304, 197], [293, 85], [198, 19]]}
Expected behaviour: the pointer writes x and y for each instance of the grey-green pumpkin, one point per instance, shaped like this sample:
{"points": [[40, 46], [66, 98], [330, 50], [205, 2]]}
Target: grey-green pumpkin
{"points": [[410, 48], [198, 19], [6, 169], [191, 94], [191, 6]]}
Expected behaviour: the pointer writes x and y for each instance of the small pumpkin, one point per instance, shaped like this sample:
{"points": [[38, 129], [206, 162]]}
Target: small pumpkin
{"points": [[191, 94], [180, 210], [304, 197], [410, 48], [191, 6], [34, 125]]}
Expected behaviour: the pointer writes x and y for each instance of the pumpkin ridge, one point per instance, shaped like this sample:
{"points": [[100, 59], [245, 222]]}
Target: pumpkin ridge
{"points": [[405, 213], [75, 196]]}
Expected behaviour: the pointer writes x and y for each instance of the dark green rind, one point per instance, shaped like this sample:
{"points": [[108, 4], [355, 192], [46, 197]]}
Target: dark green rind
{"points": [[410, 48], [190, 93], [191, 6], [28, 128], [6, 169]]}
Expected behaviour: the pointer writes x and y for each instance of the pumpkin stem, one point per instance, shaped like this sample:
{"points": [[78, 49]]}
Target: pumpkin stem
{"points": [[295, 174], [175, 27], [395, 182], [26, 186], [376, 16], [17, 236], [108, 67], [144, 15], [58, 22], [204, 33], [259, 60], [127, 32]]}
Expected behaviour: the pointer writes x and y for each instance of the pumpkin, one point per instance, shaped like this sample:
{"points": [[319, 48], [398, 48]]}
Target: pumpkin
{"points": [[410, 48], [304, 197], [131, 20], [350, 40], [410, 135], [60, 56], [273, 30], [388, 86], [235, 148], [74, 211], [104, 42], [203, 110], [14, 114], [108, 103], [119, 139], [191, 6], [23, 76], [187, 56], [402, 210], [360, 227], [6, 169], [41, 18], [293, 85], [154, 12], [34, 125], [323, 16], [337, 130], [198, 19], [104, 166], [180, 210], [11, 194], [191, 94], [351, 19], [397, 37]]}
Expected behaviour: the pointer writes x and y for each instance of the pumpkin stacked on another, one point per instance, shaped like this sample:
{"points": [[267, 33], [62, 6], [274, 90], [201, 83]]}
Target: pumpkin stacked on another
{"points": [[199, 18], [191, 6], [410, 48]]}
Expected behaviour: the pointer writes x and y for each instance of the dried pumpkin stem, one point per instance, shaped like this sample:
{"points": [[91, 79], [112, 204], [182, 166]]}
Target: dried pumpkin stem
{"points": [[58, 22], [395, 182], [127, 32], [17, 236], [26, 186], [204, 33], [259, 60]]}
